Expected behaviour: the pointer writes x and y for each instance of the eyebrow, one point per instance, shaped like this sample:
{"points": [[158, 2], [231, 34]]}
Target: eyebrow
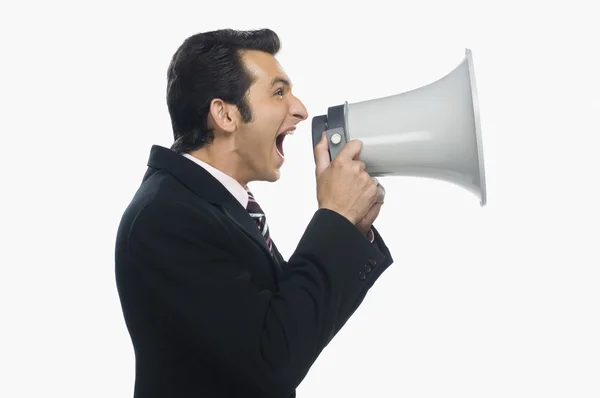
{"points": [[281, 80]]}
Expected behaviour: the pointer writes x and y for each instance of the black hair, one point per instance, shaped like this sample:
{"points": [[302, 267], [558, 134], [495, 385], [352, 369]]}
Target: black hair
{"points": [[207, 66]]}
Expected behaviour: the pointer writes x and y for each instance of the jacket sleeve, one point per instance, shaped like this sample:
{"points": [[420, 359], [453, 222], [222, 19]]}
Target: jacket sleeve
{"points": [[207, 300]]}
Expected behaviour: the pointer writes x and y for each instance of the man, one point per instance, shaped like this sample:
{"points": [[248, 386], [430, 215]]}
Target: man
{"points": [[212, 308]]}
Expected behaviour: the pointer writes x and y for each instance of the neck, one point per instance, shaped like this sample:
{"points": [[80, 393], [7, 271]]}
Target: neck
{"points": [[222, 160]]}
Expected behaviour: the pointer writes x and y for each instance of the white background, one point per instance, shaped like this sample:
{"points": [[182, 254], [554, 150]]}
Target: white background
{"points": [[499, 301]]}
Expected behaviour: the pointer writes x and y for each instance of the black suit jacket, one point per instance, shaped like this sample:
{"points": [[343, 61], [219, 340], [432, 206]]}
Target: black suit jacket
{"points": [[211, 313]]}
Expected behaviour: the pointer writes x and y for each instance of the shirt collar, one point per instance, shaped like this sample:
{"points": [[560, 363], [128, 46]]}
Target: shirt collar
{"points": [[233, 186]]}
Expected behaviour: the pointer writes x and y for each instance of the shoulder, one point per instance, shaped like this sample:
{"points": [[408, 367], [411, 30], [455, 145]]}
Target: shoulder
{"points": [[162, 206]]}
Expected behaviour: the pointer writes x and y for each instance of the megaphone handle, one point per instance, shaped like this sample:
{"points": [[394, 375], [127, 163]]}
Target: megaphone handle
{"points": [[336, 133], [319, 125], [333, 124], [335, 141]]}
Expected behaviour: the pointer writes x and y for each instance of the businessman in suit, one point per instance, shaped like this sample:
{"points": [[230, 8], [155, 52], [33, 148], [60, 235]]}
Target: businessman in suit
{"points": [[212, 308]]}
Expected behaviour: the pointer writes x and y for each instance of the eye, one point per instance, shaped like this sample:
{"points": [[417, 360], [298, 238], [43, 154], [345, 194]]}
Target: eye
{"points": [[279, 92]]}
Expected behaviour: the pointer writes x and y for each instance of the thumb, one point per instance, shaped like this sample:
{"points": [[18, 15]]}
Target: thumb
{"points": [[321, 153]]}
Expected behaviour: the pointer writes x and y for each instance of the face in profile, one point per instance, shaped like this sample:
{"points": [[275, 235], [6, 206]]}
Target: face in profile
{"points": [[260, 143]]}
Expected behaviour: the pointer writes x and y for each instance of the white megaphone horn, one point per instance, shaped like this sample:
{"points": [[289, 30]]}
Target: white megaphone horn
{"points": [[433, 131]]}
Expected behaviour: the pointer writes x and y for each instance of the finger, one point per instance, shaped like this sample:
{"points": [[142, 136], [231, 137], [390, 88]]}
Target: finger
{"points": [[359, 165], [378, 184], [380, 194], [321, 154], [372, 214], [351, 150]]}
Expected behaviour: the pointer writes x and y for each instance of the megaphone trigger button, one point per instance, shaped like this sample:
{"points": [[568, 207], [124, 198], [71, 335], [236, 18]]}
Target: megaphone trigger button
{"points": [[336, 138]]}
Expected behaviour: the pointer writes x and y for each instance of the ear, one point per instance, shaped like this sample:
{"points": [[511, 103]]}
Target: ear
{"points": [[225, 117]]}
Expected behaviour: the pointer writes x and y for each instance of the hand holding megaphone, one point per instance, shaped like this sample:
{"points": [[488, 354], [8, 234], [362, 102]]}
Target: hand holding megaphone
{"points": [[344, 186]]}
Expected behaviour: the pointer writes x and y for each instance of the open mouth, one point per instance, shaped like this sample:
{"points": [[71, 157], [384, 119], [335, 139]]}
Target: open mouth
{"points": [[279, 140]]}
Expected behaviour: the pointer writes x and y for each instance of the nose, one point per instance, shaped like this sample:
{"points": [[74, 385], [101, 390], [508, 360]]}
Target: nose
{"points": [[298, 110]]}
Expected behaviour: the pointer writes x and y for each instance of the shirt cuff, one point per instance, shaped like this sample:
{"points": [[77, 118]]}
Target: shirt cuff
{"points": [[370, 235]]}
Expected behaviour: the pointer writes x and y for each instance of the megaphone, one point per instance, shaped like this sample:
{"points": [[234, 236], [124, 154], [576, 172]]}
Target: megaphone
{"points": [[433, 131]]}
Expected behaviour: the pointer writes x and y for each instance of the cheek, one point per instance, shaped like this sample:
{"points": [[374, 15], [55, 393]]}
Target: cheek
{"points": [[272, 114], [258, 142], [266, 128], [268, 119]]}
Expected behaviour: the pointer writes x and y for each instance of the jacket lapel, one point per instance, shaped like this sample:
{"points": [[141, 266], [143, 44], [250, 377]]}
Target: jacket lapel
{"points": [[206, 186]]}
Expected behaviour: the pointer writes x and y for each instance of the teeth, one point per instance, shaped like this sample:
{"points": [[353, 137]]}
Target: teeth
{"points": [[280, 143]]}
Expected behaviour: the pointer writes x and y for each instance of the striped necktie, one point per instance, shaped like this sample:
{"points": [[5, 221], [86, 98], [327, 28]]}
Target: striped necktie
{"points": [[259, 217]]}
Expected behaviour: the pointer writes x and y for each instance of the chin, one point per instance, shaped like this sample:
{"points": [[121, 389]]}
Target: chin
{"points": [[274, 176], [269, 175]]}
